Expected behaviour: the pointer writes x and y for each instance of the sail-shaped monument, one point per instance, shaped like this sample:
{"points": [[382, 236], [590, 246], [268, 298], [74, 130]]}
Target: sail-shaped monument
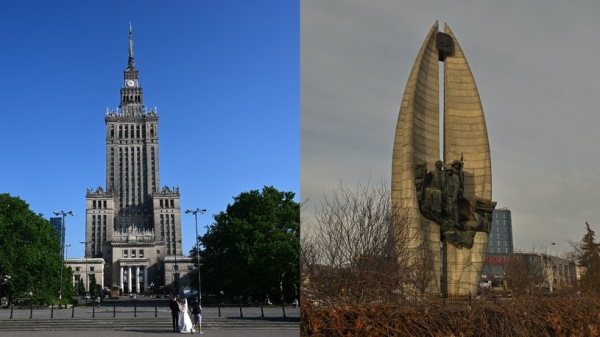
{"points": [[449, 203]]}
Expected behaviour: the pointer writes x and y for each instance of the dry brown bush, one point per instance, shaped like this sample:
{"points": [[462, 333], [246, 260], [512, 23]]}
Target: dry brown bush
{"points": [[524, 316]]}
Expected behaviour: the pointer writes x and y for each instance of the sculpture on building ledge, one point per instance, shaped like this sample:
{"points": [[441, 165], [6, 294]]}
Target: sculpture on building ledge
{"points": [[440, 198], [97, 191], [166, 190]]}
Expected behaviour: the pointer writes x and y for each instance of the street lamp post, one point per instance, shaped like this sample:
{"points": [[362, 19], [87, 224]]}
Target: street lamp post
{"points": [[176, 274], [86, 266], [3, 279], [66, 258], [62, 245], [195, 212]]}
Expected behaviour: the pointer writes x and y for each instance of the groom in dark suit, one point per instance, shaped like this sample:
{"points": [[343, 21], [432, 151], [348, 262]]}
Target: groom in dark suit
{"points": [[174, 306]]}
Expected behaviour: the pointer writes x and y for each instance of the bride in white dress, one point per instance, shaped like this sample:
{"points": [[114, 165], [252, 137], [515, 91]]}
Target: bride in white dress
{"points": [[185, 323]]}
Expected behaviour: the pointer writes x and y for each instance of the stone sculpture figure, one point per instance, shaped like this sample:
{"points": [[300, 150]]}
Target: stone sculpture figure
{"points": [[457, 166], [451, 195], [438, 185], [460, 218]]}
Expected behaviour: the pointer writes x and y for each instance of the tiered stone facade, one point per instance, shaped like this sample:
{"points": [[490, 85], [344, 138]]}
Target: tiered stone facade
{"points": [[133, 224]]}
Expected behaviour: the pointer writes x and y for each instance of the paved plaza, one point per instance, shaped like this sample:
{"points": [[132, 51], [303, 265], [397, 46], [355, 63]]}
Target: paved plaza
{"points": [[149, 318], [149, 309], [220, 333]]}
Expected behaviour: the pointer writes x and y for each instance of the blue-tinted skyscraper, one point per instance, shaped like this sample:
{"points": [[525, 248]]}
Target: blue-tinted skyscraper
{"points": [[56, 223], [500, 240]]}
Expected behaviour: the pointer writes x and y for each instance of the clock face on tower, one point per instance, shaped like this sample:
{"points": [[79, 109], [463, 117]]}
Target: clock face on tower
{"points": [[130, 83]]}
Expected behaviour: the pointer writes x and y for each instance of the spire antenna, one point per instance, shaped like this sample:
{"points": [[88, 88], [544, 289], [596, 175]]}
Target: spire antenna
{"points": [[130, 63]]}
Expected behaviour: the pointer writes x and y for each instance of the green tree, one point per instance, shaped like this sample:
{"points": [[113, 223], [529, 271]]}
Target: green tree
{"points": [[253, 248], [30, 253], [93, 285], [588, 257], [81, 287]]}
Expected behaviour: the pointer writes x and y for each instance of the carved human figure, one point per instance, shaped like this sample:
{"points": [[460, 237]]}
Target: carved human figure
{"points": [[437, 187], [457, 165], [441, 200], [452, 190], [421, 175], [439, 177]]}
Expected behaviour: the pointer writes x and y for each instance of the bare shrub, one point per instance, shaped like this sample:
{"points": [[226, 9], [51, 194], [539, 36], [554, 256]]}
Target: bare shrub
{"points": [[359, 251], [521, 274]]}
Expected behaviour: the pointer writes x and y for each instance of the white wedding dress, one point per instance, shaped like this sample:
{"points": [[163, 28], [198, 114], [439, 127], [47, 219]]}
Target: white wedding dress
{"points": [[185, 322]]}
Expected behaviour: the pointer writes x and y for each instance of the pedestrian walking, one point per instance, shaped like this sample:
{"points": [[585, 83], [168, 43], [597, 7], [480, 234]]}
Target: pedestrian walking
{"points": [[197, 312], [174, 306]]}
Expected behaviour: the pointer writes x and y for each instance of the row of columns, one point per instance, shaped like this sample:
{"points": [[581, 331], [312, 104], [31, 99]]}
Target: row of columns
{"points": [[141, 281]]}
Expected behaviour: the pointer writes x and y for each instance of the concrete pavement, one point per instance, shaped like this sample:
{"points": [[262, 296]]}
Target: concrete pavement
{"points": [[147, 309], [146, 319], [208, 333]]}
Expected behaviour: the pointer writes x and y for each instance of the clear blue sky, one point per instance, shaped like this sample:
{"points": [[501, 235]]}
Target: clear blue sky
{"points": [[224, 76]]}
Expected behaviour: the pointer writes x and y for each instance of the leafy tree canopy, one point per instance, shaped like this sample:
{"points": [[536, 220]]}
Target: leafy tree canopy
{"points": [[253, 248], [30, 253]]}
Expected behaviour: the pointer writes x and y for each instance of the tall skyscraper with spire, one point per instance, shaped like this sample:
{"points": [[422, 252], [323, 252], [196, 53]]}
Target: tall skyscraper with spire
{"points": [[133, 224]]}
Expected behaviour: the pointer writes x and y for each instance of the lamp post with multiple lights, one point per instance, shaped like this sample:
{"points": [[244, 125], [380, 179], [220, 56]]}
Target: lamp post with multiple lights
{"points": [[62, 245], [176, 274], [66, 247], [67, 251], [86, 265], [195, 212]]}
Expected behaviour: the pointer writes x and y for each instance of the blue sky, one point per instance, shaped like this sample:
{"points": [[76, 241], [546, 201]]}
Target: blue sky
{"points": [[224, 76]]}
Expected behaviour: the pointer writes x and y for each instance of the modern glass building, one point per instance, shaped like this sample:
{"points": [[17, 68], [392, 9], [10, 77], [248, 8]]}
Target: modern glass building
{"points": [[500, 240], [56, 223]]}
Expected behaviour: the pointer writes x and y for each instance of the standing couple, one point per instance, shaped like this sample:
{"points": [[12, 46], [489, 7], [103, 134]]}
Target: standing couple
{"points": [[181, 318]]}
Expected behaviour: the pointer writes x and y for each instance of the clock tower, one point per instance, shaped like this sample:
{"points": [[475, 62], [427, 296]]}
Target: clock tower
{"points": [[133, 224], [131, 92]]}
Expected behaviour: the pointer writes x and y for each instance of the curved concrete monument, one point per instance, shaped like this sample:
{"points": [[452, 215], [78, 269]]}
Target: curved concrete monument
{"points": [[465, 150]]}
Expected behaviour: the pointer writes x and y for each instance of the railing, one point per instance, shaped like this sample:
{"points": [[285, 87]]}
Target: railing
{"points": [[146, 309]]}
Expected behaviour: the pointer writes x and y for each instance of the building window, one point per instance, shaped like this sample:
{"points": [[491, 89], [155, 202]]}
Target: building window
{"points": [[91, 268], [77, 268], [141, 253], [133, 253], [125, 253]]}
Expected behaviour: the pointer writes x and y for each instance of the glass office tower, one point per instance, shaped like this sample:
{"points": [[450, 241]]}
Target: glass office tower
{"points": [[500, 240]]}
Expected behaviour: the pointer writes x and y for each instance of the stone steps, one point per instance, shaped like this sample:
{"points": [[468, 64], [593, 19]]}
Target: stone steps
{"points": [[143, 324]]}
